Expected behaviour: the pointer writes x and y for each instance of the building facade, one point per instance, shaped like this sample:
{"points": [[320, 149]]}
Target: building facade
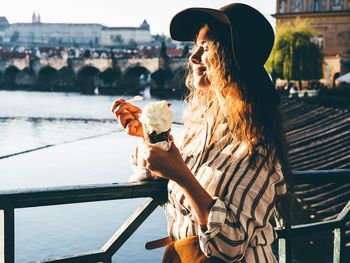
{"points": [[126, 35], [331, 22], [53, 34], [3, 25], [65, 34]]}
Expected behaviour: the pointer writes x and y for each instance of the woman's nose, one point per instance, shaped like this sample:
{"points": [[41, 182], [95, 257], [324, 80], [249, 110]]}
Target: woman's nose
{"points": [[195, 57]]}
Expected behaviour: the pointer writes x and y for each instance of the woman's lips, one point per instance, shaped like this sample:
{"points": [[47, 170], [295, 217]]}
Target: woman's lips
{"points": [[200, 76]]}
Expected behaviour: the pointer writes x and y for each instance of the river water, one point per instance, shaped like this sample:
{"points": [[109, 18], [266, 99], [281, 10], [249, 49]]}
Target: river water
{"points": [[57, 139]]}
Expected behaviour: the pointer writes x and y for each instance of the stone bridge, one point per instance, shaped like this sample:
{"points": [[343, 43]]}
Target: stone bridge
{"points": [[93, 73], [101, 64]]}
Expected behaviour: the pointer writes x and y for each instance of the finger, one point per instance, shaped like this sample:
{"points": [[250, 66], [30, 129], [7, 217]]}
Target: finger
{"points": [[149, 148], [173, 148], [125, 118], [125, 106], [116, 103], [136, 114], [131, 127], [119, 109], [171, 138], [154, 150]]}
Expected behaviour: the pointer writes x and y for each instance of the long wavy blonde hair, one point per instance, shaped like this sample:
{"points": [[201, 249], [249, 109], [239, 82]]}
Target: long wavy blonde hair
{"points": [[242, 103]]}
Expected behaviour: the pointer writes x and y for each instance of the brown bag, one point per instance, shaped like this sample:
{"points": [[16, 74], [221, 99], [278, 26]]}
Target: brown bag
{"points": [[186, 250]]}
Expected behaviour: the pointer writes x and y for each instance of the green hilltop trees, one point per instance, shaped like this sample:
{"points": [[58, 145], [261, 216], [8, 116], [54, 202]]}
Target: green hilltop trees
{"points": [[296, 55]]}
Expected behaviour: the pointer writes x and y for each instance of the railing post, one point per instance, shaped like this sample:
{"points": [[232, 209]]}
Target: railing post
{"points": [[285, 243], [7, 235], [282, 250], [285, 249], [339, 235], [338, 249]]}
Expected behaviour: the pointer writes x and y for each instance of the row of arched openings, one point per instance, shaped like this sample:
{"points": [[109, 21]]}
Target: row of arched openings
{"points": [[90, 80]]}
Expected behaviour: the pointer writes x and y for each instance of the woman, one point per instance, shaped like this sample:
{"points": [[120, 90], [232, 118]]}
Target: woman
{"points": [[226, 177]]}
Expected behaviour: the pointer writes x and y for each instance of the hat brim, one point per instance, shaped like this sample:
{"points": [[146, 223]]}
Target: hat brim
{"points": [[185, 25]]}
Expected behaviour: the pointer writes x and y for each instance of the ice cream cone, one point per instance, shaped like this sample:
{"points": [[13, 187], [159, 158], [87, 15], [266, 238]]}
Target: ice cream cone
{"points": [[162, 140], [156, 121]]}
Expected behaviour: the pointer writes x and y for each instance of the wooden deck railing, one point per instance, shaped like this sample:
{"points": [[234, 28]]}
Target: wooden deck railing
{"points": [[157, 194]]}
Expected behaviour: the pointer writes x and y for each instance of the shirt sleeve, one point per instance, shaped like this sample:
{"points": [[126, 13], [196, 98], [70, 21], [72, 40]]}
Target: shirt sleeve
{"points": [[235, 219], [140, 173]]}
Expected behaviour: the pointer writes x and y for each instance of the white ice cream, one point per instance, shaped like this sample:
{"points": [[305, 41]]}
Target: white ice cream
{"points": [[157, 117]]}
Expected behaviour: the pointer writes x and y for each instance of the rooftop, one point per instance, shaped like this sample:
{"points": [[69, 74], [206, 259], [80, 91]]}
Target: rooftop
{"points": [[3, 20]]}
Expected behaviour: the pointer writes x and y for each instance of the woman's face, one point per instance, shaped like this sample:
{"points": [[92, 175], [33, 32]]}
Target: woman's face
{"points": [[200, 59]]}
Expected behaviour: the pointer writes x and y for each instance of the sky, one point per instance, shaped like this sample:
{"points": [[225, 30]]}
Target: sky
{"points": [[119, 13]]}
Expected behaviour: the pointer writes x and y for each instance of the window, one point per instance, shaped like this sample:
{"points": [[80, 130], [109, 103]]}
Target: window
{"points": [[317, 5], [296, 6], [283, 6], [323, 5], [320, 41], [309, 6], [337, 5], [320, 5]]}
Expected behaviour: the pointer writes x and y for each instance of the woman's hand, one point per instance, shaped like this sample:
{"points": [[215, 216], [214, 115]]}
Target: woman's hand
{"points": [[170, 165], [166, 164], [128, 117]]}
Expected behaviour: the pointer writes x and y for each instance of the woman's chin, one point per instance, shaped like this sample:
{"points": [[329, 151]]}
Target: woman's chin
{"points": [[202, 84]]}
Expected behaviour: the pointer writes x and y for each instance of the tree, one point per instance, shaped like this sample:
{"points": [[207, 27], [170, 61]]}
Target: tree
{"points": [[132, 44], [295, 55], [117, 39]]}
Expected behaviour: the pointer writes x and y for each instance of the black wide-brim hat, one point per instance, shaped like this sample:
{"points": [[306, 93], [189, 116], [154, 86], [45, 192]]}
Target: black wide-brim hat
{"points": [[252, 38]]}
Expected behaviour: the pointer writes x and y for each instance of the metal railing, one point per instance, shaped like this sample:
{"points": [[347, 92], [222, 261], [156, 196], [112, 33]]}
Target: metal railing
{"points": [[156, 192], [317, 177], [10, 200]]}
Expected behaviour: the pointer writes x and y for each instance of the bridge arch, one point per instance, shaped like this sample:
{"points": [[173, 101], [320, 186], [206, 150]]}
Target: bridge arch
{"points": [[135, 70], [134, 79], [65, 79], [47, 73], [26, 78], [167, 83], [9, 77], [87, 79], [108, 81], [47, 77], [159, 82], [88, 71]]}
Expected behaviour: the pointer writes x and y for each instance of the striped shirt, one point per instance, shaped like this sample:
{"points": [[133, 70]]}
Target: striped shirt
{"points": [[238, 228]]}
